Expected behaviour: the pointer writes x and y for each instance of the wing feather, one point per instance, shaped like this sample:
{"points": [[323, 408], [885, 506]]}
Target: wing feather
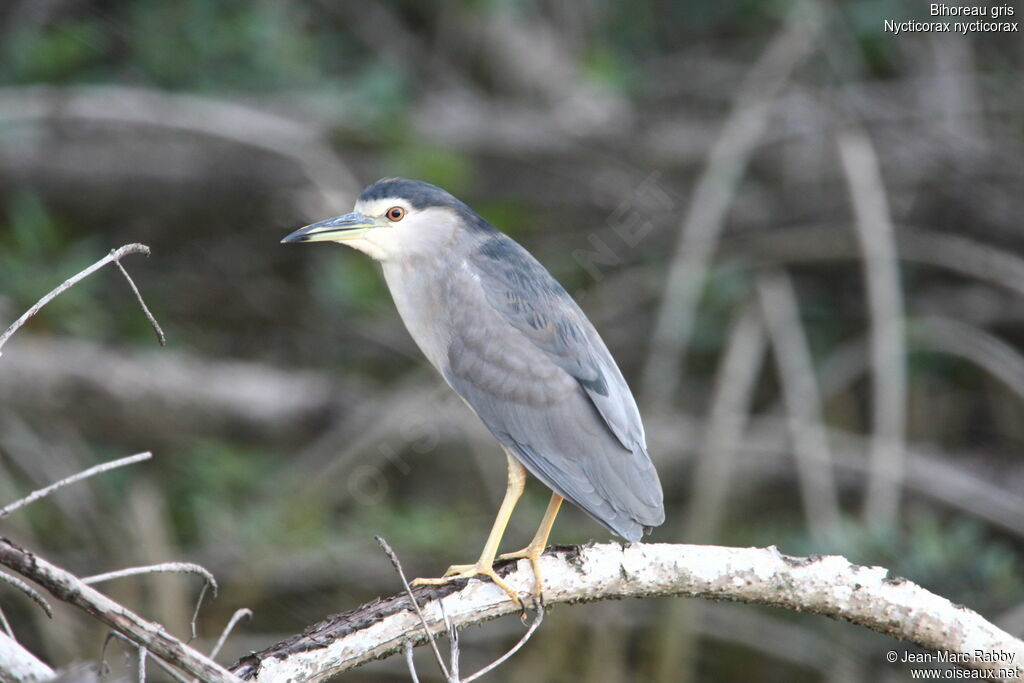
{"points": [[531, 365], [525, 294]]}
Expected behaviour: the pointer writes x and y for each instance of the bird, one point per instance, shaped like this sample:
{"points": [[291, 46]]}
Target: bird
{"points": [[519, 351]]}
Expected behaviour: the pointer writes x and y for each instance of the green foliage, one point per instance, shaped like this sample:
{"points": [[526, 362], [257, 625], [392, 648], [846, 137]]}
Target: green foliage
{"points": [[233, 45], [417, 528], [956, 557], [377, 97], [511, 217], [604, 65], [865, 21], [343, 282], [442, 166], [202, 44], [213, 479], [53, 54], [728, 286]]}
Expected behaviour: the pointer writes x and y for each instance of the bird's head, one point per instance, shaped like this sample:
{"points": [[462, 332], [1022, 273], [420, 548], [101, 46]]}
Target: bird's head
{"points": [[396, 218]]}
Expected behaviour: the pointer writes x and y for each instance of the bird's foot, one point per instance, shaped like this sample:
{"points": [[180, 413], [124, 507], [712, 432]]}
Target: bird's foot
{"points": [[469, 571], [532, 553]]}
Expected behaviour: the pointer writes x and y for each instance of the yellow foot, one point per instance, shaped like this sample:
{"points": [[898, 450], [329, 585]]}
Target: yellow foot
{"points": [[469, 571], [532, 553]]}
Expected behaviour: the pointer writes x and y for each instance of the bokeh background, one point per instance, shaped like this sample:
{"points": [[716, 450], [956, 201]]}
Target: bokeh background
{"points": [[799, 234]]}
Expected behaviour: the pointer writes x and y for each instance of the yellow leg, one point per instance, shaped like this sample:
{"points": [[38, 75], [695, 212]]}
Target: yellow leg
{"points": [[537, 545], [485, 565]]}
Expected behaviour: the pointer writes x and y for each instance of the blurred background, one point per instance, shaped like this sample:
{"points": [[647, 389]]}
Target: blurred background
{"points": [[799, 234]]}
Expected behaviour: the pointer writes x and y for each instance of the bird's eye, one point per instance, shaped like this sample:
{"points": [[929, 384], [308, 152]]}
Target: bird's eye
{"points": [[395, 213]]}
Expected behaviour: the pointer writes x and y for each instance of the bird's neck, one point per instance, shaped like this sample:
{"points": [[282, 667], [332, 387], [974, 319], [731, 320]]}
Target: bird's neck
{"points": [[418, 287]]}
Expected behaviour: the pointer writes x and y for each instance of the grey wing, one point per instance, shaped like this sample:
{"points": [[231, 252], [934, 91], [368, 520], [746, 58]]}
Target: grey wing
{"points": [[527, 360]]}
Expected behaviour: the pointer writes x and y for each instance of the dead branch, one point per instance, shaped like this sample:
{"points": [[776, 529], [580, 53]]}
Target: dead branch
{"points": [[451, 670], [209, 582], [115, 255], [243, 613], [69, 588], [826, 585], [160, 336], [171, 567], [28, 590], [91, 472], [416, 607], [18, 664]]}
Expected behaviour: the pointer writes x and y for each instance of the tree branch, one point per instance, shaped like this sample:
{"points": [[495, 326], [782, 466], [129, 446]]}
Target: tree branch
{"points": [[69, 588], [115, 255], [18, 664], [827, 585]]}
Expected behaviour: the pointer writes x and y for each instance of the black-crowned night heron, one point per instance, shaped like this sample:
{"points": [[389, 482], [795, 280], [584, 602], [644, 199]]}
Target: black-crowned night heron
{"points": [[516, 347]]}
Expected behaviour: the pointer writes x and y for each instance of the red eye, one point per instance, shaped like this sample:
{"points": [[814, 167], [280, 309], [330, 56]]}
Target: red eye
{"points": [[395, 213]]}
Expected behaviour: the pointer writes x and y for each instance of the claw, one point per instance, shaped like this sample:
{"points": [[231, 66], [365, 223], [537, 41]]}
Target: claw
{"points": [[532, 553], [456, 569], [469, 571]]}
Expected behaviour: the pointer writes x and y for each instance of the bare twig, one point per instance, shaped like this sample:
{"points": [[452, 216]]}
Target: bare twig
{"points": [[6, 625], [453, 642], [195, 612], [145, 309], [92, 471], [244, 613], [514, 649], [829, 585], [168, 567], [69, 588], [115, 255], [888, 353], [408, 590], [27, 590], [409, 661]]}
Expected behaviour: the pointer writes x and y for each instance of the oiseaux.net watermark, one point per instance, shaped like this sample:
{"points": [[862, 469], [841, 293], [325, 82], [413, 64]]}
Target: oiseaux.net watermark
{"points": [[943, 665]]}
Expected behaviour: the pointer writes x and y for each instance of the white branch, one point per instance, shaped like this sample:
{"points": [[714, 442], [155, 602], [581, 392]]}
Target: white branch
{"points": [[829, 585], [69, 588], [18, 664], [67, 481], [115, 255]]}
